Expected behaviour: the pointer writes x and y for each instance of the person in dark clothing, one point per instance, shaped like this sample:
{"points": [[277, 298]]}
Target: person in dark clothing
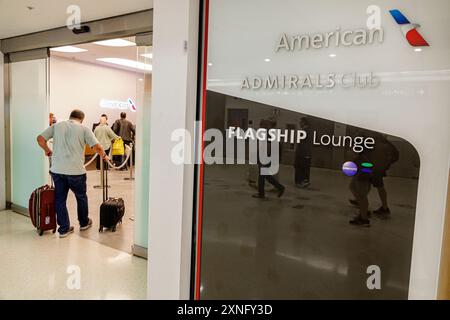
{"points": [[383, 156], [391, 155], [303, 152], [360, 188], [267, 124], [126, 130]]}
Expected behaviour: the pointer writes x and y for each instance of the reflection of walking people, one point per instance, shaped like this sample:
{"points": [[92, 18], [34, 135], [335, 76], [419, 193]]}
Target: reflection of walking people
{"points": [[360, 188], [302, 164], [266, 124], [389, 154], [272, 180], [381, 157]]}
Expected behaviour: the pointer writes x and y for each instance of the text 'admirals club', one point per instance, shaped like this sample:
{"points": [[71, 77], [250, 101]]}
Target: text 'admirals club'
{"points": [[358, 144]]}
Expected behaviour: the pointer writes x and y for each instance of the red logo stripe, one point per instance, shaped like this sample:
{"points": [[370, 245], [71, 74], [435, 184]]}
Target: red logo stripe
{"points": [[415, 39]]}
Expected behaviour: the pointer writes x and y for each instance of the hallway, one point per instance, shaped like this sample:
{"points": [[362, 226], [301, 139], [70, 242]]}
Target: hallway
{"points": [[33, 267]]}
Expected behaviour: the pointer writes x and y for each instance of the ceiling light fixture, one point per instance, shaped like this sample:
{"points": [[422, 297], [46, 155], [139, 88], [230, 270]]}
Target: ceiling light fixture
{"points": [[127, 63], [68, 49], [267, 60], [418, 49], [115, 43], [332, 55]]}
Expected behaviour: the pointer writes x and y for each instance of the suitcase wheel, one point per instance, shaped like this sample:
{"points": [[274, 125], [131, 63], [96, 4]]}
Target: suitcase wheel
{"points": [[54, 231], [40, 232], [113, 229], [100, 229]]}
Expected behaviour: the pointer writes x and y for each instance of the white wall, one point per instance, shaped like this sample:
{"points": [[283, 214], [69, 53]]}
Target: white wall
{"points": [[171, 186], [82, 85], [49, 14], [2, 138]]}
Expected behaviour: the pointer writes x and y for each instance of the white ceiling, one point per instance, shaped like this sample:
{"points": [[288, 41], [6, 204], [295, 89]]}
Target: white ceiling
{"points": [[16, 19], [97, 51]]}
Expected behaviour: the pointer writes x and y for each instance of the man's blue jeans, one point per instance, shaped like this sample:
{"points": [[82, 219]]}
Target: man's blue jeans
{"points": [[64, 183]]}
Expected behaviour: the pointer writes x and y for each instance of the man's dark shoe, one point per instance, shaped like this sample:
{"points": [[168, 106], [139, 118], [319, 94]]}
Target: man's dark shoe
{"points": [[86, 227], [360, 222], [354, 202], [382, 212], [65, 234], [281, 192], [305, 184], [258, 196]]}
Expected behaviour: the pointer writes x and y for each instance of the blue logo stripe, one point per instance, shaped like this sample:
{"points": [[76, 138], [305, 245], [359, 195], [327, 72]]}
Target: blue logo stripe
{"points": [[399, 17]]}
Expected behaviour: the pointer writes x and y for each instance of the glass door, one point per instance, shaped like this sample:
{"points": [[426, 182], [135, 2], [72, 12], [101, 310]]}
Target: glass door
{"points": [[143, 103], [29, 117]]}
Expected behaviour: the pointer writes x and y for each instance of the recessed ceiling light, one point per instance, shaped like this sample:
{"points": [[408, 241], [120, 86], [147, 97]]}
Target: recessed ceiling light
{"points": [[332, 55], [127, 63], [68, 49], [116, 43], [210, 64], [267, 60], [418, 49], [147, 55]]}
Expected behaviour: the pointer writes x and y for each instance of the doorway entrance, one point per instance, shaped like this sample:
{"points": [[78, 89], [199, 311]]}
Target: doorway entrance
{"points": [[105, 72], [107, 79]]}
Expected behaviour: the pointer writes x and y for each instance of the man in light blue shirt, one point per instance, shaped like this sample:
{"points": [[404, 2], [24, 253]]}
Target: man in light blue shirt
{"points": [[67, 169]]}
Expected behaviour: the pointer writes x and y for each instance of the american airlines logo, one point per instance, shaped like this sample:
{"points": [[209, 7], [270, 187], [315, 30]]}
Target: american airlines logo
{"points": [[409, 29], [121, 105]]}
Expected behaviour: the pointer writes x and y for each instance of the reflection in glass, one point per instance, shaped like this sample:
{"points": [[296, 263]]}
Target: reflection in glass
{"points": [[334, 221]]}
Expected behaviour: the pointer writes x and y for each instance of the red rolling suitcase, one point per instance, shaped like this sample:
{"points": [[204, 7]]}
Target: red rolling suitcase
{"points": [[42, 209]]}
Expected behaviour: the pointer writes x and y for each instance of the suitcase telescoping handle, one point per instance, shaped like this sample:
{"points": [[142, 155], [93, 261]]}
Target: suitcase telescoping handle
{"points": [[104, 173], [50, 172]]}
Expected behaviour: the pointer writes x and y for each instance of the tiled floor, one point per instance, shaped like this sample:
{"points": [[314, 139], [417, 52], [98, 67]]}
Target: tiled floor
{"points": [[33, 267], [123, 238]]}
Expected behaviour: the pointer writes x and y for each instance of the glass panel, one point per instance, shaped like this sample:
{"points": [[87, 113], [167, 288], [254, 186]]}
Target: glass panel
{"points": [[288, 234], [144, 85], [345, 157], [29, 117]]}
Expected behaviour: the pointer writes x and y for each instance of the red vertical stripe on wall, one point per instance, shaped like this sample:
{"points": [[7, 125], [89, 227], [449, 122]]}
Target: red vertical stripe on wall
{"points": [[200, 203]]}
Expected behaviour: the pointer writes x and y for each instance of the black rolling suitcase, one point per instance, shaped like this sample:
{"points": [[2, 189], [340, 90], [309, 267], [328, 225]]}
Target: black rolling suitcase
{"points": [[112, 210]]}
